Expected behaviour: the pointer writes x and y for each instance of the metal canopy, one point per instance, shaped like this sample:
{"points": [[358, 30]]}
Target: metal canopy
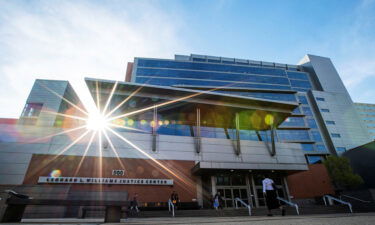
{"points": [[216, 109]]}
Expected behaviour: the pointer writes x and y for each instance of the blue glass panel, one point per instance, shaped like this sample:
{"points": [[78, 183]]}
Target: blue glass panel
{"points": [[209, 67], [265, 95], [307, 111], [211, 76], [297, 75], [341, 149], [293, 135], [300, 83], [214, 60], [296, 111], [320, 99], [170, 82], [302, 99], [300, 89], [316, 136], [331, 122], [307, 147], [314, 159], [199, 60], [324, 110], [335, 135], [293, 122], [321, 148], [312, 123]]}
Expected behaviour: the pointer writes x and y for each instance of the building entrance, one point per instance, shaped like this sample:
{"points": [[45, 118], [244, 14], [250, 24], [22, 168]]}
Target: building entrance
{"points": [[231, 193], [247, 187]]}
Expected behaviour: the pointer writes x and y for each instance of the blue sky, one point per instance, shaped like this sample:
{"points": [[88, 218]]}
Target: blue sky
{"points": [[71, 40]]}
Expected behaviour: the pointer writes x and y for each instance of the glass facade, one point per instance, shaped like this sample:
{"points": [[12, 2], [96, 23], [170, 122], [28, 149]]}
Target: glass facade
{"points": [[255, 81]]}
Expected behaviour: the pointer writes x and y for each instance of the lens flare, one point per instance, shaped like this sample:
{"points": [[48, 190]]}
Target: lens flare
{"points": [[55, 173], [269, 119], [96, 121]]}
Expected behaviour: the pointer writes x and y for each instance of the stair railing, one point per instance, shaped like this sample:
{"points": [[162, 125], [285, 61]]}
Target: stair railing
{"points": [[243, 203], [354, 198], [289, 203], [171, 206], [331, 198]]}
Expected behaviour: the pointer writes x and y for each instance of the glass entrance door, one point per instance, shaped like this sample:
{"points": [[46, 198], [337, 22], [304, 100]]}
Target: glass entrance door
{"points": [[230, 193]]}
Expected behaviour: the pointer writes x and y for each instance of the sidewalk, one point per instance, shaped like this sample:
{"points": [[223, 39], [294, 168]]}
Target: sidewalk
{"points": [[331, 219]]}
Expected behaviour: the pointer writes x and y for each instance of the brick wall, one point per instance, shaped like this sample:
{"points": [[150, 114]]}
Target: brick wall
{"points": [[179, 171], [311, 183]]}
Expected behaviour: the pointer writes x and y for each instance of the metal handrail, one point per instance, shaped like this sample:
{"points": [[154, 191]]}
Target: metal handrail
{"points": [[354, 198], [171, 205], [337, 200], [290, 203], [243, 203]]}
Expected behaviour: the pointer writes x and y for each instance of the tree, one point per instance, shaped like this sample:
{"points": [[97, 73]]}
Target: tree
{"points": [[341, 173]]}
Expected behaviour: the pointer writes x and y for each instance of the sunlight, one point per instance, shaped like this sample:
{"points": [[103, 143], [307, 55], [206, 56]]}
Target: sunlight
{"points": [[96, 122]]}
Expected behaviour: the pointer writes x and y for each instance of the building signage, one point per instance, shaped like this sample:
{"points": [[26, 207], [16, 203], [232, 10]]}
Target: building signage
{"points": [[95, 180], [118, 172]]}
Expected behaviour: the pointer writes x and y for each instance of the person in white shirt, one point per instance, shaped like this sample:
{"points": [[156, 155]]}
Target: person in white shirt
{"points": [[269, 192]]}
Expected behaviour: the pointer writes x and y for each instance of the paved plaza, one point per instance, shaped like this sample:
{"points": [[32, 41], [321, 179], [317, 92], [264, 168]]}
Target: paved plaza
{"points": [[332, 219]]}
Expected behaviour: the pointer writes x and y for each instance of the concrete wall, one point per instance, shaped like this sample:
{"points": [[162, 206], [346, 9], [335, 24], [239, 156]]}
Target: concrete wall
{"points": [[347, 121], [329, 85]]}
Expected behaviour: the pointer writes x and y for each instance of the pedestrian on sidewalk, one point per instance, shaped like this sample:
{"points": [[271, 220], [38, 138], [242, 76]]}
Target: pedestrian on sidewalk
{"points": [[269, 192], [218, 203], [134, 205], [175, 199]]}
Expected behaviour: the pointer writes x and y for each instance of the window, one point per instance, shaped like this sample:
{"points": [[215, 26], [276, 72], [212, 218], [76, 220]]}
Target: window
{"points": [[302, 99], [321, 148], [307, 147], [307, 111], [340, 149], [320, 99], [312, 123], [314, 159], [330, 122], [324, 110], [335, 135], [316, 136], [32, 110]]}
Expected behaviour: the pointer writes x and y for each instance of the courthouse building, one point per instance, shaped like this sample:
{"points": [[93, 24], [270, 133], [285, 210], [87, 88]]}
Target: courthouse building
{"points": [[194, 124]]}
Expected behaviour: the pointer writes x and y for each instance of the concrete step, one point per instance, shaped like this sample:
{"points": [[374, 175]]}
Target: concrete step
{"points": [[244, 212]]}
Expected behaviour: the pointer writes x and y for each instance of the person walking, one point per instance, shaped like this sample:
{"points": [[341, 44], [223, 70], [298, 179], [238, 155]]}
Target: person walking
{"points": [[218, 203], [175, 199], [269, 192], [134, 205]]}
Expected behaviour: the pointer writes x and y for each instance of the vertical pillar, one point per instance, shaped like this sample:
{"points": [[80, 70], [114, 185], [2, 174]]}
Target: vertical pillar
{"points": [[213, 183], [249, 191], [273, 147], [197, 136], [154, 127], [254, 191], [199, 191], [286, 188], [238, 140]]}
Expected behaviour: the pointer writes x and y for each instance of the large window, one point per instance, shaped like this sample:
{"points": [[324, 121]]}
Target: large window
{"points": [[314, 159], [210, 67], [293, 135], [316, 136], [198, 82], [32, 109], [148, 72]]}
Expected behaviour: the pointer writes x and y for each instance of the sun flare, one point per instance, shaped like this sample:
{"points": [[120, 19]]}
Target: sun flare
{"points": [[97, 122]]}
